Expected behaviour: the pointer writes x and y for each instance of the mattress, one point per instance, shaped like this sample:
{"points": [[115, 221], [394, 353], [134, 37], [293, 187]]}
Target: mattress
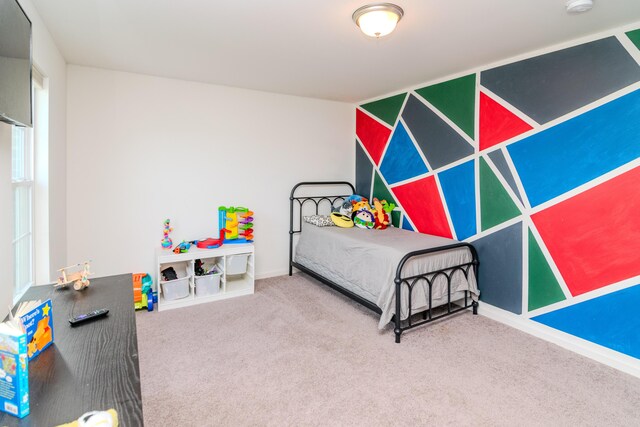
{"points": [[365, 262]]}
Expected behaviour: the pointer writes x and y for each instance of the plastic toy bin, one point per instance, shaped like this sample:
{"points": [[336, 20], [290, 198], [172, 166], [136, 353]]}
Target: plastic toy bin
{"points": [[207, 285], [237, 264], [175, 289]]}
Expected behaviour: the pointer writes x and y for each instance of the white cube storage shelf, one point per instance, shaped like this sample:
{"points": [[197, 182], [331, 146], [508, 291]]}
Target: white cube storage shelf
{"points": [[234, 262]]}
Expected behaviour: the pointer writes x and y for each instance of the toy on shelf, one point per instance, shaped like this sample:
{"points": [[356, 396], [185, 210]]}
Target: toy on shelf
{"points": [[166, 242], [80, 278], [184, 247], [211, 243], [142, 291], [228, 218], [198, 268], [246, 225], [234, 219]]}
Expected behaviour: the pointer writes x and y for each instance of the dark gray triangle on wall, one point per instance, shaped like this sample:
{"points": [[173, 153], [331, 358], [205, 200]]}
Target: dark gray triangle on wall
{"points": [[364, 172], [500, 270], [548, 86], [498, 159], [438, 141]]}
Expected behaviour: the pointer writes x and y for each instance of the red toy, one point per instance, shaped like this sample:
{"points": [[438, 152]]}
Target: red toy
{"points": [[212, 243]]}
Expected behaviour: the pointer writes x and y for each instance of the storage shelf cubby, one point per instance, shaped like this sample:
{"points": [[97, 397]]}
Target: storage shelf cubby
{"points": [[235, 259]]}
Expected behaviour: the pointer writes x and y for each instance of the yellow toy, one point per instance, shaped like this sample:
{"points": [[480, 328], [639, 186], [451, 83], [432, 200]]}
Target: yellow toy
{"points": [[361, 204], [382, 209], [231, 224], [81, 278], [107, 418]]}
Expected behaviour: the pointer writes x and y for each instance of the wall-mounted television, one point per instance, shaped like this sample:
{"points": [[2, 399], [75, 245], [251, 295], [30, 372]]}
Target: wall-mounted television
{"points": [[15, 64]]}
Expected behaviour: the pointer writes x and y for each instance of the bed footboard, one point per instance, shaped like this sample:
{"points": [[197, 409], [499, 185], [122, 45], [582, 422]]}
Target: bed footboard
{"points": [[429, 278]]}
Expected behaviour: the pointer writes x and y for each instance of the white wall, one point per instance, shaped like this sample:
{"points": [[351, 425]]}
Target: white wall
{"points": [[51, 63], [142, 149]]}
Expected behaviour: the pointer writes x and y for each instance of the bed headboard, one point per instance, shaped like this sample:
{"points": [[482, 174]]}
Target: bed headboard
{"points": [[309, 198]]}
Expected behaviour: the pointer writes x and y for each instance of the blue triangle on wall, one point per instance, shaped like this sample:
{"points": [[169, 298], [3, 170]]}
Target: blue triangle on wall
{"points": [[401, 160]]}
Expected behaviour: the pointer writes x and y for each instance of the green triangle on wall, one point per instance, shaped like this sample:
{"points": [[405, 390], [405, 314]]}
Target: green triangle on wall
{"points": [[544, 288], [456, 99], [395, 218], [634, 36], [496, 206], [386, 109], [380, 191]]}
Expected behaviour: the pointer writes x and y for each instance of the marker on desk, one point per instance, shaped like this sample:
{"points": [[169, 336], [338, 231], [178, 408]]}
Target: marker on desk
{"points": [[92, 315]]}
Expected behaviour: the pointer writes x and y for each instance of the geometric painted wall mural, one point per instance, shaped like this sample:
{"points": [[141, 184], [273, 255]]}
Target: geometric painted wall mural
{"points": [[459, 193], [372, 134], [421, 201], [530, 163], [386, 109], [364, 169], [499, 160], [500, 272], [634, 36], [380, 191], [593, 236], [498, 124], [406, 225], [402, 159], [496, 206], [610, 320], [563, 157], [455, 99], [549, 86], [440, 143], [544, 288]]}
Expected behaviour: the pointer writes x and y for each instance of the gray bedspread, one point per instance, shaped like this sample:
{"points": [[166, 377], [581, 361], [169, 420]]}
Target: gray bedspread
{"points": [[365, 262]]}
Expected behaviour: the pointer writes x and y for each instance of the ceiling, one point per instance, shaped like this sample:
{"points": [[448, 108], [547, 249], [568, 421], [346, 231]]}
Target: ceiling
{"points": [[312, 48]]}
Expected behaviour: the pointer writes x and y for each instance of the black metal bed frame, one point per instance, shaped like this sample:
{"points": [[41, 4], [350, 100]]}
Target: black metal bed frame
{"points": [[410, 281]]}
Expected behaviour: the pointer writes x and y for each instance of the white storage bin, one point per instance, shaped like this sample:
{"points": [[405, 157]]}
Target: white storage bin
{"points": [[175, 289], [208, 285], [237, 264]]}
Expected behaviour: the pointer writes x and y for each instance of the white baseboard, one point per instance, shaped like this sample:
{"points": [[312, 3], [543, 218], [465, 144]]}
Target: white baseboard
{"points": [[273, 273], [622, 362]]}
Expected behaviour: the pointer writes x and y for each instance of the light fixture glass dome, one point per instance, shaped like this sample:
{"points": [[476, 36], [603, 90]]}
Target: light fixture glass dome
{"points": [[578, 6], [378, 20]]}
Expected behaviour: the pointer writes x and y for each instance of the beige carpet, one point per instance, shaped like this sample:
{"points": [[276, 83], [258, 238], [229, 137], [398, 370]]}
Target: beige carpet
{"points": [[297, 353]]}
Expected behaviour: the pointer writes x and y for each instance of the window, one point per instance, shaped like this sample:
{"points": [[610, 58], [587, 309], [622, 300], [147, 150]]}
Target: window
{"points": [[30, 228], [22, 180]]}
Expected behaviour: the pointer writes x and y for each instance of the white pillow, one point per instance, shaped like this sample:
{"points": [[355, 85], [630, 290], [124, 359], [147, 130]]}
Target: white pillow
{"points": [[319, 220]]}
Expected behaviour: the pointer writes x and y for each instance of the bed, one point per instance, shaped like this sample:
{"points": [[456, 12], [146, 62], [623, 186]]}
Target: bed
{"points": [[391, 271]]}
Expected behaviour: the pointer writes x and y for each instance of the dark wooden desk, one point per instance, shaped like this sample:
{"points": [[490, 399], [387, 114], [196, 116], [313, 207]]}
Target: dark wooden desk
{"points": [[93, 366]]}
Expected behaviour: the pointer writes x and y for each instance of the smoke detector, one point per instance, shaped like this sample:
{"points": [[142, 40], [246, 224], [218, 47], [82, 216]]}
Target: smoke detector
{"points": [[579, 6]]}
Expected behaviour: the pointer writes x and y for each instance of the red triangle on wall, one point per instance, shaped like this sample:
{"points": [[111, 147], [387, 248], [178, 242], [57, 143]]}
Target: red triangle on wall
{"points": [[497, 124], [373, 135], [422, 202]]}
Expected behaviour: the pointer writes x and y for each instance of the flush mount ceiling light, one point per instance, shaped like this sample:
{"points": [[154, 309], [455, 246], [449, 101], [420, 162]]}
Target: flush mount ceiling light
{"points": [[579, 6], [379, 19]]}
